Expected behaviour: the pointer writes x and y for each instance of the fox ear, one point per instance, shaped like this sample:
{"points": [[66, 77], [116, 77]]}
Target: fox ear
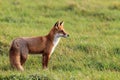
{"points": [[57, 24], [61, 23]]}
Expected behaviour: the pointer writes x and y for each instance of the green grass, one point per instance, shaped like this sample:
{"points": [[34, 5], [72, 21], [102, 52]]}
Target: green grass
{"points": [[92, 52]]}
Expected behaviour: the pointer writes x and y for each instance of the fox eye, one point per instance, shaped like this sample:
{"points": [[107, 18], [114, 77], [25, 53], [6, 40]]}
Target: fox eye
{"points": [[61, 31]]}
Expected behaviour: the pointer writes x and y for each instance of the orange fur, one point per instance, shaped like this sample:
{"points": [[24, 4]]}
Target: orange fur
{"points": [[44, 45]]}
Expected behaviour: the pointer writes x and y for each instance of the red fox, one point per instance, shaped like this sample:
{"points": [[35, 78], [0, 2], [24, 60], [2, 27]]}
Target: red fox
{"points": [[44, 45]]}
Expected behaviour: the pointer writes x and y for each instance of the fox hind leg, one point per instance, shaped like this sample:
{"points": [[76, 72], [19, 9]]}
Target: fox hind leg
{"points": [[24, 54], [23, 58]]}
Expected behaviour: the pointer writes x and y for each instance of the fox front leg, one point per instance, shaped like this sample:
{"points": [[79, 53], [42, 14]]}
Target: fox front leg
{"points": [[45, 60]]}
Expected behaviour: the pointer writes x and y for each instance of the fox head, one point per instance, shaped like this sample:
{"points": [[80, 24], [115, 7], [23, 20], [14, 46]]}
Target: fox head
{"points": [[59, 30]]}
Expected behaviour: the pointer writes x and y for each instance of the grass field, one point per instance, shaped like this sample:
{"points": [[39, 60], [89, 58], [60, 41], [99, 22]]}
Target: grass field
{"points": [[92, 52]]}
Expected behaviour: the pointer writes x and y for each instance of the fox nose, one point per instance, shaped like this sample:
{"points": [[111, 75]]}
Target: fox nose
{"points": [[68, 35]]}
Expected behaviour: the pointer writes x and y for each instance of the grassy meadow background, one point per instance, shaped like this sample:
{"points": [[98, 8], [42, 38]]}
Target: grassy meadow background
{"points": [[92, 52]]}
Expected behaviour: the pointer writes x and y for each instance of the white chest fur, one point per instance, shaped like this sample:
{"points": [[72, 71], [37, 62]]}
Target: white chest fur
{"points": [[55, 42]]}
